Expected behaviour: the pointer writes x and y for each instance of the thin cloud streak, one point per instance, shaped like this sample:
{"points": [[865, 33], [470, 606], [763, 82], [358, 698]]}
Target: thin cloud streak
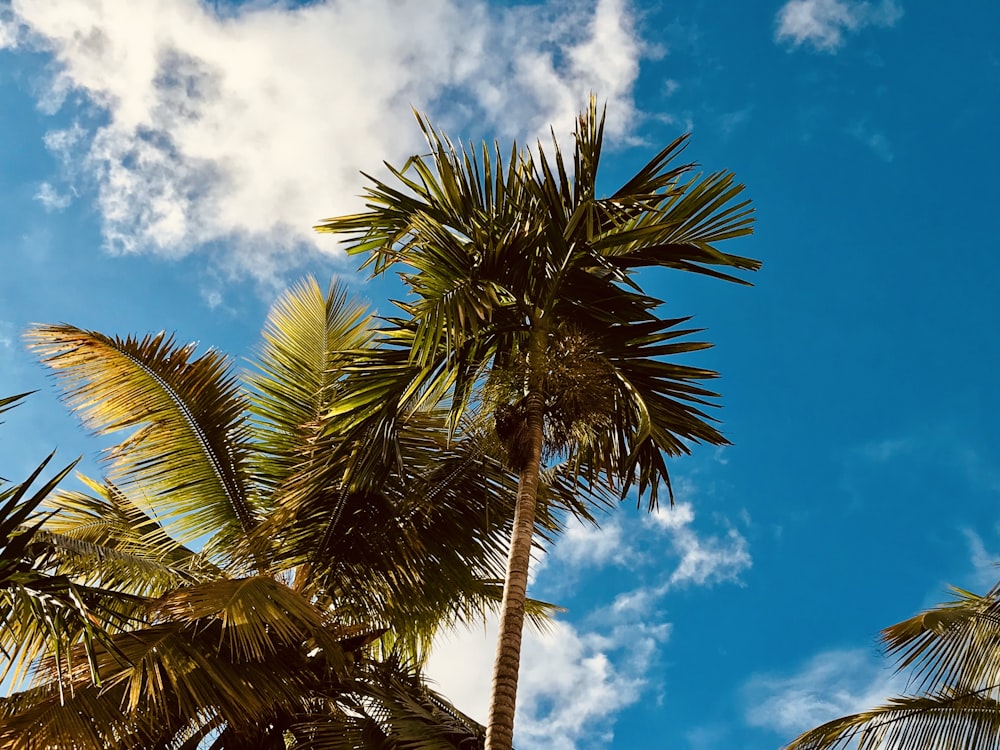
{"points": [[831, 684]]}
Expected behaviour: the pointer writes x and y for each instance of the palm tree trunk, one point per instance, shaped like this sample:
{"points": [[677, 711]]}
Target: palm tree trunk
{"points": [[500, 726]]}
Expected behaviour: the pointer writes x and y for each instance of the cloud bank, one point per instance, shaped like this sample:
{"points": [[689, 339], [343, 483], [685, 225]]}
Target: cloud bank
{"points": [[235, 130], [823, 24]]}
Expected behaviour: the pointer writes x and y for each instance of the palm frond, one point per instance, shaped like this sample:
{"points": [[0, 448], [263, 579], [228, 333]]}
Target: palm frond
{"points": [[42, 613], [944, 720], [309, 338], [188, 445]]}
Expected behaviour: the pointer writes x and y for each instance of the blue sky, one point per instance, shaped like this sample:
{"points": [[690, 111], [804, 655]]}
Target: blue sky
{"points": [[162, 162]]}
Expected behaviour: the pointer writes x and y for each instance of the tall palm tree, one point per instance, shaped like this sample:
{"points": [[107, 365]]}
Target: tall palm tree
{"points": [[953, 653], [523, 306], [253, 593]]}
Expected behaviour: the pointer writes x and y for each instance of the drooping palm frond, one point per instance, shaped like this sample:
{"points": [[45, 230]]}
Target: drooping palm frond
{"points": [[105, 539], [953, 655], [396, 549], [188, 448], [393, 709]]}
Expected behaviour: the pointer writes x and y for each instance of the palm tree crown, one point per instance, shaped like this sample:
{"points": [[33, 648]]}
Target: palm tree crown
{"points": [[249, 593], [524, 307]]}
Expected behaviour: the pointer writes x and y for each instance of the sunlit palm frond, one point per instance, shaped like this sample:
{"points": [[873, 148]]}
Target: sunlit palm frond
{"points": [[953, 646], [105, 539], [937, 721], [257, 617], [188, 445], [309, 337], [952, 653]]}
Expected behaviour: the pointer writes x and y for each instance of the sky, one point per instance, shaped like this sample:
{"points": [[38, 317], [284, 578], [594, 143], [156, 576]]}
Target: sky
{"points": [[162, 163]]}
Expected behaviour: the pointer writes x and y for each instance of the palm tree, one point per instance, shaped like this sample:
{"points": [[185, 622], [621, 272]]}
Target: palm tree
{"points": [[252, 592], [953, 651], [524, 307]]}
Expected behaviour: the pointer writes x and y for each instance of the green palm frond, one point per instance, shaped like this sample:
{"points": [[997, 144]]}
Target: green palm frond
{"points": [[935, 721], [309, 338], [952, 653], [491, 246], [105, 539], [397, 548], [188, 445]]}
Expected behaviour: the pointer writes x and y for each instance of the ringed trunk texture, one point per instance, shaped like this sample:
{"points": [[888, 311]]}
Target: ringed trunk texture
{"points": [[500, 725]]}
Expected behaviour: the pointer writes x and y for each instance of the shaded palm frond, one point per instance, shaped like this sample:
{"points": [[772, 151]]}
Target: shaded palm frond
{"points": [[42, 613]]}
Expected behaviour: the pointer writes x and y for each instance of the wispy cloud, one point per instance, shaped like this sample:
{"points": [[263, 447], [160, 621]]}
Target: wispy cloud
{"points": [[880, 451], [831, 684], [985, 570], [51, 199], [704, 560], [236, 132], [823, 24], [875, 140], [6, 337]]}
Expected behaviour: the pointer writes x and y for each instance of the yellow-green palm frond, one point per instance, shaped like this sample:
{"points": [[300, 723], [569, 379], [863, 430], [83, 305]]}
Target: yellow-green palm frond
{"points": [[257, 617], [185, 457], [309, 337], [161, 678], [943, 720], [105, 539], [952, 652], [954, 645]]}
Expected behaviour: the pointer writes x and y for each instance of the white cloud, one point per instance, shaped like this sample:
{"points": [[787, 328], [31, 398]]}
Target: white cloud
{"points": [[823, 23], [704, 560], [244, 129], [8, 30], [583, 544], [831, 684], [573, 680], [984, 563], [676, 517], [51, 198]]}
